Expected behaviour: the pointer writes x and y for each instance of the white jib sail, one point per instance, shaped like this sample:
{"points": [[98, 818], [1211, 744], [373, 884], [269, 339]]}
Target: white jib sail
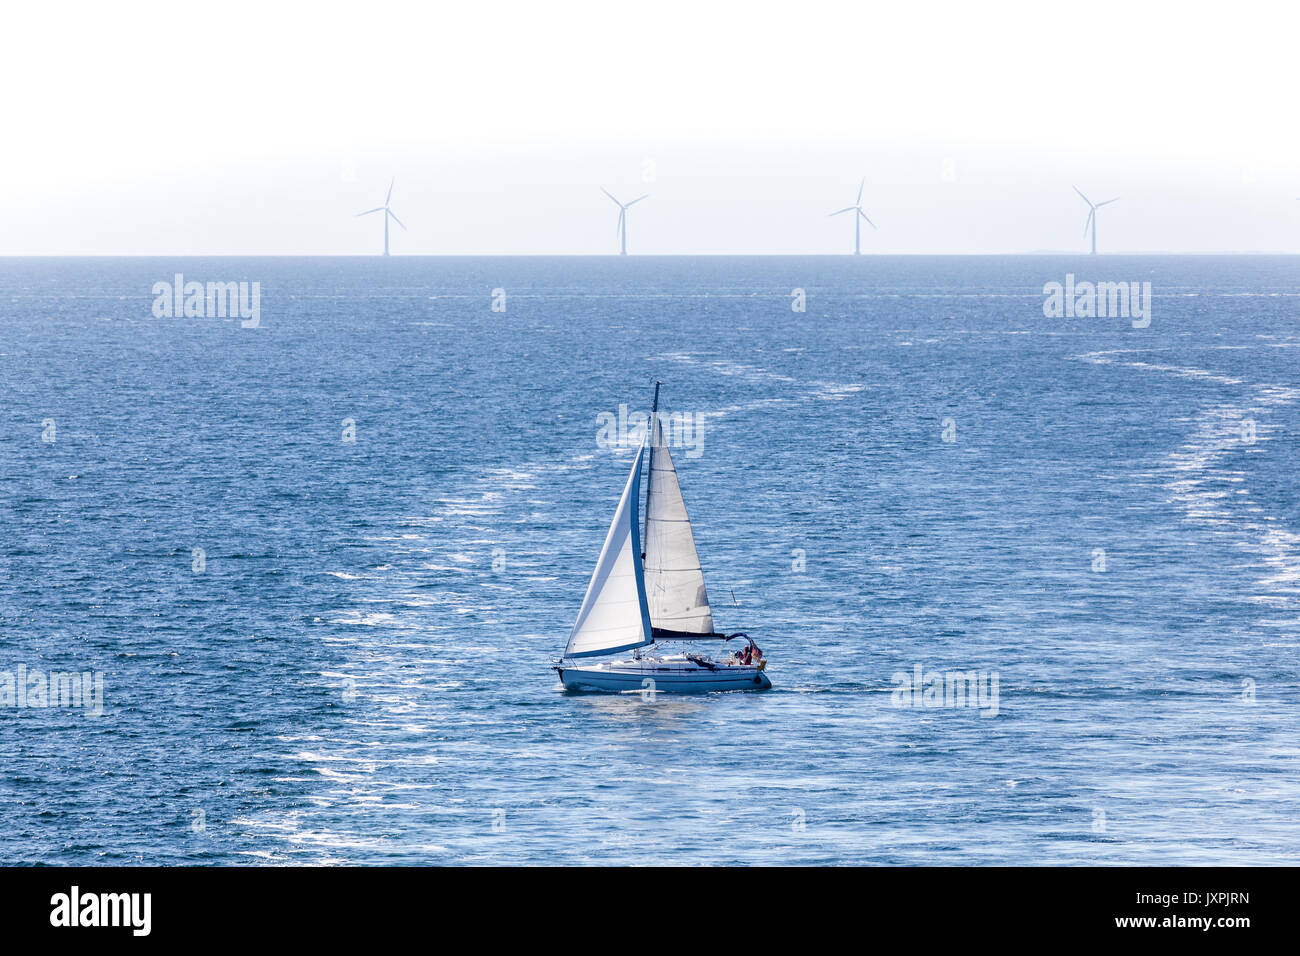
{"points": [[614, 615], [674, 582]]}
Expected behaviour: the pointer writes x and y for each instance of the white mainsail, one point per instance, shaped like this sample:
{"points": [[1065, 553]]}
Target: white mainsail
{"points": [[614, 615], [674, 581]]}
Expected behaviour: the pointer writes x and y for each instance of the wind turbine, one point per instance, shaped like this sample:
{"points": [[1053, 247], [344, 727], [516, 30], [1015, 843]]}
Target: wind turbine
{"points": [[857, 223], [621, 229], [1092, 216], [387, 212]]}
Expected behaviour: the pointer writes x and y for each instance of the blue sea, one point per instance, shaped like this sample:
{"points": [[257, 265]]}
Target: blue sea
{"points": [[322, 566]]}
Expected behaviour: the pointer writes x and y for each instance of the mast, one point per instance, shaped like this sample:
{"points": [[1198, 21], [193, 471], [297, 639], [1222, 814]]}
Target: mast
{"points": [[645, 520]]}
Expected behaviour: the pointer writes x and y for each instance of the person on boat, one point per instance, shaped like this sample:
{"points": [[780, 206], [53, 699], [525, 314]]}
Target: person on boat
{"points": [[745, 655]]}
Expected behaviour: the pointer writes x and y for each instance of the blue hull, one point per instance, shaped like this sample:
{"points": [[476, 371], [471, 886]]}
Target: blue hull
{"points": [[647, 677]]}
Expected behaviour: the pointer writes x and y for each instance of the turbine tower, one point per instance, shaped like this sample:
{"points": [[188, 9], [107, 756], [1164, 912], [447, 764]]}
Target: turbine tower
{"points": [[857, 222], [621, 229], [387, 212], [1092, 216]]}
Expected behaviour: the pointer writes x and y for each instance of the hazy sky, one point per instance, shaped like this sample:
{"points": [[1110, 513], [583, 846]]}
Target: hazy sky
{"points": [[263, 128]]}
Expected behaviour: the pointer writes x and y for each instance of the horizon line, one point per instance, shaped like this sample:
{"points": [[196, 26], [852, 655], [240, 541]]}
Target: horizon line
{"points": [[664, 255]]}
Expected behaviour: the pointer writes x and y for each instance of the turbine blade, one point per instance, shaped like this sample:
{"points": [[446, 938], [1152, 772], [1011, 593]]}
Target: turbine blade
{"points": [[618, 227], [1081, 195], [637, 200], [861, 186], [369, 211], [611, 196], [1107, 202], [1088, 222], [845, 209], [864, 216], [396, 220], [390, 190]]}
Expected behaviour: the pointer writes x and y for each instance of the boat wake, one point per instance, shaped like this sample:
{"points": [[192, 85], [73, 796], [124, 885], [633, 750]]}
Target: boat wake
{"points": [[1207, 483]]}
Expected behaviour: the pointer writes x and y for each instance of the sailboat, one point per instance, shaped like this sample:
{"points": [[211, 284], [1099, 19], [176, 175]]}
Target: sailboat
{"points": [[648, 590]]}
